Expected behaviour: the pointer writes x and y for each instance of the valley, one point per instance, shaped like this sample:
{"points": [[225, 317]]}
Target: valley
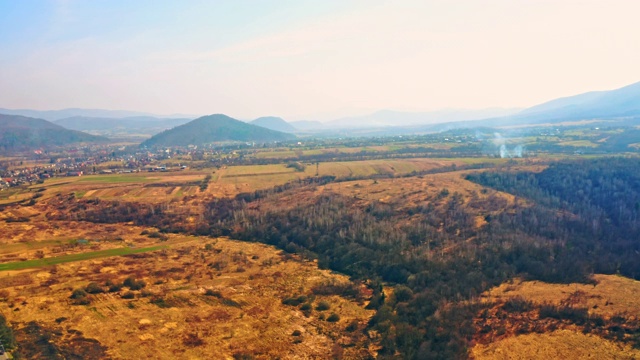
{"points": [[407, 253]]}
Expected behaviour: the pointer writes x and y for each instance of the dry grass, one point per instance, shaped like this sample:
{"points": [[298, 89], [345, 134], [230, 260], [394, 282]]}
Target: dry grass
{"points": [[611, 295], [560, 344], [246, 314]]}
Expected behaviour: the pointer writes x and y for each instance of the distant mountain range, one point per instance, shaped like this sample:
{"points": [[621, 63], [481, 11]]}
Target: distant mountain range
{"points": [[52, 115], [602, 105], [23, 133], [274, 123], [140, 124], [620, 105], [215, 128], [387, 118]]}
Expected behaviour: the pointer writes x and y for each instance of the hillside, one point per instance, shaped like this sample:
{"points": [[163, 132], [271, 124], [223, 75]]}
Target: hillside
{"points": [[619, 104], [274, 123], [214, 128], [23, 133]]}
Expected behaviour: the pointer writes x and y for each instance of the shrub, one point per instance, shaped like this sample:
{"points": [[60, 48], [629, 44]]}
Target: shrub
{"points": [[78, 294], [82, 301], [94, 288], [305, 307], [333, 318], [134, 284], [353, 326], [345, 289], [115, 287], [128, 295], [296, 333], [323, 306], [517, 304], [294, 301]]}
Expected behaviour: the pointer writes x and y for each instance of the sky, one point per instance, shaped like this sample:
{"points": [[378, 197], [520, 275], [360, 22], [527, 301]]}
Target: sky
{"points": [[311, 60]]}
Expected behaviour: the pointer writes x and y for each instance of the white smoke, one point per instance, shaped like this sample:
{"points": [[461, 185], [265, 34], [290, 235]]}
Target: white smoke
{"points": [[516, 152]]}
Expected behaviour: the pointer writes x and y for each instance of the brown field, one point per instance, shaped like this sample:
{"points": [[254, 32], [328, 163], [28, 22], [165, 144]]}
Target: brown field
{"points": [[225, 182], [611, 295], [560, 344], [173, 315]]}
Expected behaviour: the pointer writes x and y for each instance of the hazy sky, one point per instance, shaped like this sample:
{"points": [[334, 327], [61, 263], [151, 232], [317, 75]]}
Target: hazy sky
{"points": [[316, 59]]}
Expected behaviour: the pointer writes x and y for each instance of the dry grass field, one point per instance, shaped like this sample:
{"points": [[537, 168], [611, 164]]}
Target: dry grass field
{"points": [[204, 298], [611, 297], [559, 344]]}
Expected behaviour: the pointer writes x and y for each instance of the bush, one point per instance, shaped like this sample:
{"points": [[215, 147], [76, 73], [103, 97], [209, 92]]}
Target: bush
{"points": [[517, 304], [294, 301], [78, 294], [296, 333], [115, 287], [94, 288], [82, 301], [333, 318], [134, 284], [353, 326], [344, 289], [323, 306], [157, 235], [128, 295], [305, 307]]}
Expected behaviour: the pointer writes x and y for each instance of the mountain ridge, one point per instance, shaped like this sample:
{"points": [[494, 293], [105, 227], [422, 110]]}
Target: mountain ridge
{"points": [[214, 128], [19, 133], [53, 115]]}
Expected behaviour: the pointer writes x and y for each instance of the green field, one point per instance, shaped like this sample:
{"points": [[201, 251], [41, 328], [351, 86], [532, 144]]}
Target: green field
{"points": [[120, 178], [19, 265]]}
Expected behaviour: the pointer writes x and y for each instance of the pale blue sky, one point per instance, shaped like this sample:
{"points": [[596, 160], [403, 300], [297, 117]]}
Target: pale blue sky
{"points": [[311, 59]]}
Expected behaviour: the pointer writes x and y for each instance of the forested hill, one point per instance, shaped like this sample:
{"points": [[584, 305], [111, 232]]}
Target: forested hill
{"points": [[215, 128], [599, 200], [23, 133]]}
